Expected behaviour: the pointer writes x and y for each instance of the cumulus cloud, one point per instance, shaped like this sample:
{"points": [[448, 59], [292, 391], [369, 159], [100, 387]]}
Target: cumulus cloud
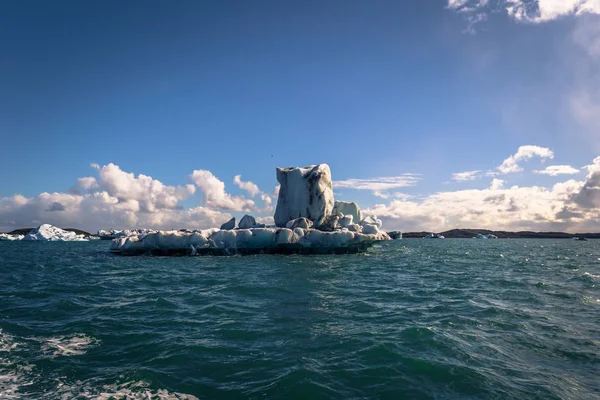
{"points": [[567, 206], [465, 176], [537, 11], [589, 196], [496, 184], [533, 11], [379, 186], [555, 170], [511, 165], [114, 199], [215, 195], [248, 186], [253, 190]]}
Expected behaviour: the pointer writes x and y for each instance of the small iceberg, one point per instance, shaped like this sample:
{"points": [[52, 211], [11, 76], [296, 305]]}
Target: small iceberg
{"points": [[10, 238], [434, 236], [307, 221], [490, 236]]}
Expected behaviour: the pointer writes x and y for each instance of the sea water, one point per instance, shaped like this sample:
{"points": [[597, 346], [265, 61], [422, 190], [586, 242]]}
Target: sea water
{"points": [[415, 319]]}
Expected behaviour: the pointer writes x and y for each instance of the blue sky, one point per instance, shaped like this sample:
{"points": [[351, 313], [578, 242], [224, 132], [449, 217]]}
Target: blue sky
{"points": [[374, 89]]}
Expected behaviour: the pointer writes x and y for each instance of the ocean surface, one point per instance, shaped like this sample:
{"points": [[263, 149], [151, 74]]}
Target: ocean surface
{"points": [[411, 319]]}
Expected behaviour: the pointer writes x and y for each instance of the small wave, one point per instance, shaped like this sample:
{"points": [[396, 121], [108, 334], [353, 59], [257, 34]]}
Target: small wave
{"points": [[10, 385], [592, 276], [7, 342], [125, 391], [74, 345]]}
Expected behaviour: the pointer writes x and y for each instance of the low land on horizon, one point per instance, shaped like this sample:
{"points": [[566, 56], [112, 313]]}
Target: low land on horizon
{"points": [[470, 233]]}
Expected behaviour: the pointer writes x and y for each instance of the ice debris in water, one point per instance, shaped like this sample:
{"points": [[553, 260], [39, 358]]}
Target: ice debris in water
{"points": [[308, 220]]}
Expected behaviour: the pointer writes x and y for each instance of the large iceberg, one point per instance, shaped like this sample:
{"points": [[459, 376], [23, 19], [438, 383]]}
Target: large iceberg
{"points": [[49, 233], [304, 192], [308, 221], [247, 241]]}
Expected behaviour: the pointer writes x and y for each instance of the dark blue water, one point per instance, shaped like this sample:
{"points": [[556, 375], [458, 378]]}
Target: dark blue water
{"points": [[420, 319]]}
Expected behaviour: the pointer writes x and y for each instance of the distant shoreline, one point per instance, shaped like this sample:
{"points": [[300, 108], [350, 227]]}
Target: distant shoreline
{"points": [[471, 233]]}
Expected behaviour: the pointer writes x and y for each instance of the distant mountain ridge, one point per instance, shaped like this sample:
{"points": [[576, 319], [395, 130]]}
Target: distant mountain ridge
{"points": [[470, 233]]}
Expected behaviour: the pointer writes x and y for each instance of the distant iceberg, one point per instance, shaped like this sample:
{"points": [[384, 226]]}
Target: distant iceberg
{"points": [[308, 221], [9, 237], [490, 236], [434, 236], [49, 233]]}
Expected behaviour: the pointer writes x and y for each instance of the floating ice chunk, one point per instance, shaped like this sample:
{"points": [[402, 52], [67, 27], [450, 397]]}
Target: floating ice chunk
{"points": [[304, 192], [330, 223], [8, 237], [247, 222], [355, 228], [371, 220], [229, 224], [348, 208], [303, 223], [47, 232], [346, 221], [370, 229]]}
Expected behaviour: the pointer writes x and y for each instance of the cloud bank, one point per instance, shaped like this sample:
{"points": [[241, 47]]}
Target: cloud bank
{"points": [[566, 206], [119, 199]]}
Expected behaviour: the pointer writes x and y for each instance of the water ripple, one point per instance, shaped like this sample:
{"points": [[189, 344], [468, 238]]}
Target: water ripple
{"points": [[411, 319]]}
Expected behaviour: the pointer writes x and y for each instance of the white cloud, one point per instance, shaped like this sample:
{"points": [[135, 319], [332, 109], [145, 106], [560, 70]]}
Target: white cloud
{"points": [[99, 210], [589, 196], [248, 186], [215, 195], [465, 176], [532, 11], [151, 194], [496, 184], [118, 199], [554, 170], [379, 186], [511, 165], [572, 206], [253, 190], [266, 220], [547, 10], [515, 208]]}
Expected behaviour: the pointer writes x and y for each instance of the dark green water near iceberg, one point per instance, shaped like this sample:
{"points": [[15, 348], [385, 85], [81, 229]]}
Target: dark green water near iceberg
{"points": [[414, 319]]}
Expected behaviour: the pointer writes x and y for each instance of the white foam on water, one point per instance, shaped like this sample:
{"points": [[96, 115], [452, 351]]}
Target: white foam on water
{"points": [[124, 391], [591, 275], [12, 377], [74, 345], [7, 342], [10, 383]]}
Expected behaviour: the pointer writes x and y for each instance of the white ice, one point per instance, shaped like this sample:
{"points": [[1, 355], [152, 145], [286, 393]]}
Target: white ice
{"points": [[49, 233], [304, 192]]}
